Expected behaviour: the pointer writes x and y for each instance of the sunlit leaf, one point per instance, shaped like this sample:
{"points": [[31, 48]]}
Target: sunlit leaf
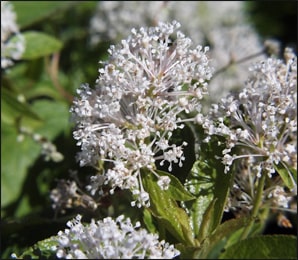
{"points": [[165, 209], [39, 44], [176, 189]]}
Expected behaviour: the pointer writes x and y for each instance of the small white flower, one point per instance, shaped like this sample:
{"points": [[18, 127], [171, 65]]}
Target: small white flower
{"points": [[110, 239], [150, 80]]}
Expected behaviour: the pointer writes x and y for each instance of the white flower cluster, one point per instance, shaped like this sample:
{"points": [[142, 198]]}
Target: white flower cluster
{"points": [[260, 127], [110, 239], [244, 189], [230, 37], [11, 49], [262, 118], [128, 120]]}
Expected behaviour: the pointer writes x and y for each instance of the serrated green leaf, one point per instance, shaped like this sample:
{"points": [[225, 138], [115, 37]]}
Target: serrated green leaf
{"points": [[263, 247], [176, 189], [39, 44], [288, 175], [165, 209]]}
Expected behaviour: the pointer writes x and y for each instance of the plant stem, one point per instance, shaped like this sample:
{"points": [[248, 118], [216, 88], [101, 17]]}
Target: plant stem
{"points": [[256, 206]]}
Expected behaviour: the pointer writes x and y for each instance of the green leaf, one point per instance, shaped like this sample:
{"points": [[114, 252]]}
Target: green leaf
{"points": [[41, 250], [207, 225], [176, 189], [263, 247], [55, 115], [212, 246], [16, 158], [12, 110], [29, 12], [19, 156], [39, 44], [188, 252], [148, 220], [167, 211], [210, 186], [288, 175]]}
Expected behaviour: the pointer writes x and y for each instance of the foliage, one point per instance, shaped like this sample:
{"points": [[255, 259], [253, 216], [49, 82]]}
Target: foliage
{"points": [[36, 95]]}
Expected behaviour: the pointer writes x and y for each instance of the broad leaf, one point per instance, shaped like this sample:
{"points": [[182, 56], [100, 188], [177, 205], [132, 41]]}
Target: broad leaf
{"points": [[16, 158], [263, 247], [39, 44], [29, 12]]}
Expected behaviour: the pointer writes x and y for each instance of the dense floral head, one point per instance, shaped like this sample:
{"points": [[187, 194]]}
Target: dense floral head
{"points": [[151, 80], [262, 118], [260, 128], [111, 239], [206, 22]]}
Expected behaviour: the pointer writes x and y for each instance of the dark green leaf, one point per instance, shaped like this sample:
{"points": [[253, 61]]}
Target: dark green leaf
{"points": [[263, 247], [29, 12], [226, 231]]}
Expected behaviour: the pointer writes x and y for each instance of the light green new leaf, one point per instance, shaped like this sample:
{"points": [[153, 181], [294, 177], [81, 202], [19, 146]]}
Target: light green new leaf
{"points": [[263, 247], [38, 44]]}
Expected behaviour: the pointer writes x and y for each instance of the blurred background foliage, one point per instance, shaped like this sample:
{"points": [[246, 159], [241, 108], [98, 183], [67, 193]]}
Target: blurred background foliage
{"points": [[37, 93]]}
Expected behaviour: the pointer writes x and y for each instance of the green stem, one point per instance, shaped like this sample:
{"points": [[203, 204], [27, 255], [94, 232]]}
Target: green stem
{"points": [[256, 207]]}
